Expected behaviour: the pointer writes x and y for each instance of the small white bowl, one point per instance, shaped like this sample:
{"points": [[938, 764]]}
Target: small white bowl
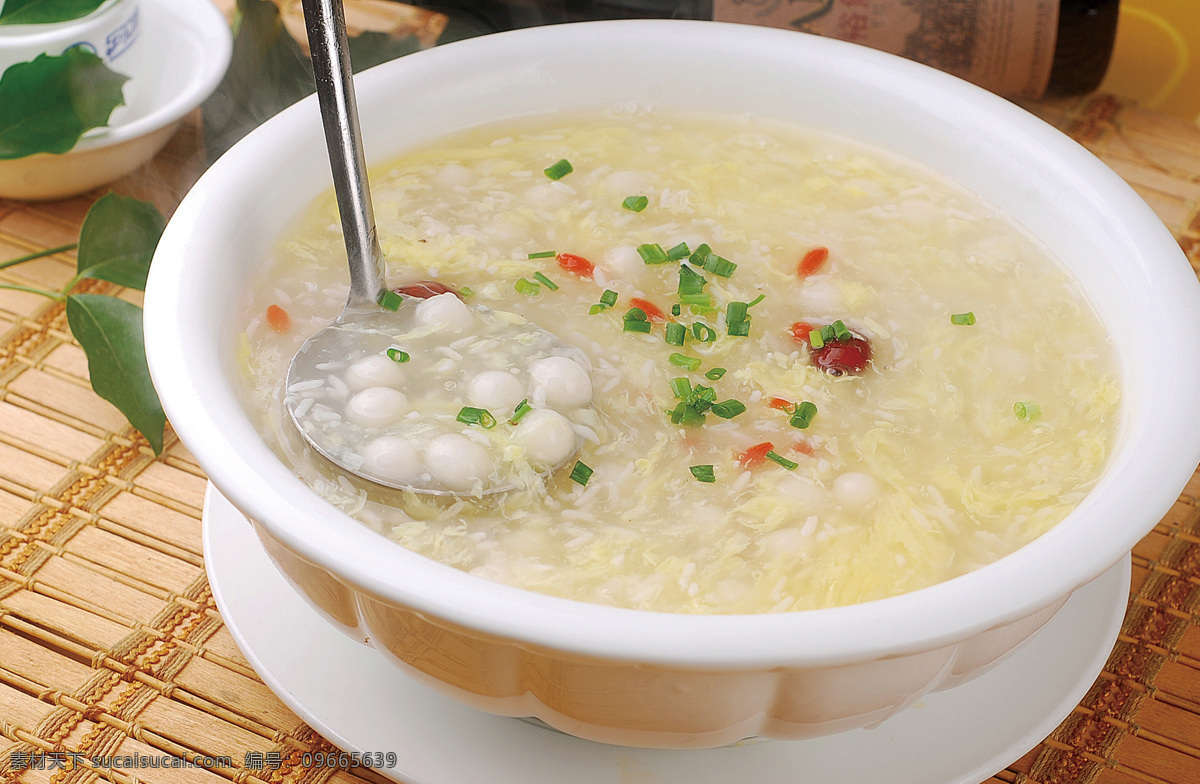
{"points": [[181, 51], [659, 679]]}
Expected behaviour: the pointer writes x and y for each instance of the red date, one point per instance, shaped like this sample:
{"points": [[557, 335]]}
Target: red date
{"points": [[425, 289]]}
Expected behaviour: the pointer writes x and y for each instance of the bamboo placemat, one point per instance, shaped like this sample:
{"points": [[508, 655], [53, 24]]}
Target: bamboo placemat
{"points": [[110, 642]]}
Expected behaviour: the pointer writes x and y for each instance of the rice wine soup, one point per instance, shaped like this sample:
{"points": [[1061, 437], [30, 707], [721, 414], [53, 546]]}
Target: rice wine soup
{"points": [[802, 373]]}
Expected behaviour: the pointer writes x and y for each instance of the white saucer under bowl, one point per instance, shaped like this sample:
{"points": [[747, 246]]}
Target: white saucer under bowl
{"points": [[187, 48], [361, 702]]}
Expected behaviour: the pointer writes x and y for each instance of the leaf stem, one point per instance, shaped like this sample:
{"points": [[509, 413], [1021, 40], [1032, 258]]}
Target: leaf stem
{"points": [[38, 255], [31, 290]]}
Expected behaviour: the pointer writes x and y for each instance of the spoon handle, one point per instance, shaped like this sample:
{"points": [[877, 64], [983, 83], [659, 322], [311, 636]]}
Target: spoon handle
{"points": [[326, 25]]}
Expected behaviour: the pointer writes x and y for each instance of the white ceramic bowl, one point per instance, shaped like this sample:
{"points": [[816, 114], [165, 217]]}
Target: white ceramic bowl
{"points": [[180, 52], [655, 679]]}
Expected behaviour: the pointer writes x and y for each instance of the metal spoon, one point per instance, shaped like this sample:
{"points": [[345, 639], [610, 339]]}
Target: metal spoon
{"points": [[365, 329]]}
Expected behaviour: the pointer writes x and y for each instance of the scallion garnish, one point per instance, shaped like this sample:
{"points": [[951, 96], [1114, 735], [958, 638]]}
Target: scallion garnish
{"points": [[608, 298], [681, 387], [676, 334], [466, 292], [840, 332], [715, 374], [728, 409], [389, 300], [636, 321], [802, 415], [700, 254], [519, 412], [527, 287], [556, 171], [581, 473], [546, 281], [684, 361], [703, 332], [781, 460], [676, 309], [737, 319], [815, 340], [1027, 410], [704, 473], [719, 265], [635, 203], [652, 253], [476, 416], [963, 319], [680, 251], [756, 300], [543, 254], [396, 355]]}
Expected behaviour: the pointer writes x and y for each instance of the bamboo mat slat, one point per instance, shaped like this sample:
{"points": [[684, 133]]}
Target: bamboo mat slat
{"points": [[110, 642]]}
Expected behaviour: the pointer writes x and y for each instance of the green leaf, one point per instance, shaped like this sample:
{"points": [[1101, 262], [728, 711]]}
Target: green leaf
{"points": [[117, 240], [46, 105], [110, 332], [44, 11]]}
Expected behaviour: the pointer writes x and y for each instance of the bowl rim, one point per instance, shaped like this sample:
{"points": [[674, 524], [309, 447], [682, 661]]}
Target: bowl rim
{"points": [[1034, 578]]}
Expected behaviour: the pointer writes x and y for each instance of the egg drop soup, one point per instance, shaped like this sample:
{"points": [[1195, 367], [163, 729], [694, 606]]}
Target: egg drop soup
{"points": [[798, 373]]}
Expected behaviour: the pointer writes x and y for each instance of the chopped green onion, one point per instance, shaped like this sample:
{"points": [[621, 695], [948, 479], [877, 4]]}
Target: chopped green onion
{"points": [[1027, 410], [581, 473], [527, 287], [608, 298], [636, 321], [680, 251], [684, 361], [705, 473], [815, 340], [543, 254], [681, 387], [719, 265], [700, 254], [546, 281], [963, 319], [690, 281], [759, 299], [783, 461], [715, 374], [675, 309], [675, 334], [476, 416], [802, 415], [703, 332], [520, 411], [697, 300], [728, 409], [686, 415], [828, 333], [389, 300], [840, 332], [556, 171], [466, 292], [635, 203], [737, 319], [396, 355], [594, 309], [652, 253], [701, 397]]}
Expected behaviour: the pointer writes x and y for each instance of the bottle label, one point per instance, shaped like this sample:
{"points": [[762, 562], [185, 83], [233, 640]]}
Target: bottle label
{"points": [[1006, 46]]}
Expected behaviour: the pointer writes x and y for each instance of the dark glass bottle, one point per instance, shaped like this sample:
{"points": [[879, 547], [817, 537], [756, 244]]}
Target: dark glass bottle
{"points": [[948, 34]]}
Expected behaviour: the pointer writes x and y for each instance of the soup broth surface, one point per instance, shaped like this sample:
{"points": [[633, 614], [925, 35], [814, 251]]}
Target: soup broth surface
{"points": [[751, 465]]}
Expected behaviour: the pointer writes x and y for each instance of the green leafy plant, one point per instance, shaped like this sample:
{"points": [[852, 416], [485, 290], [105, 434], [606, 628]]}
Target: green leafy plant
{"points": [[46, 11], [47, 104], [116, 243]]}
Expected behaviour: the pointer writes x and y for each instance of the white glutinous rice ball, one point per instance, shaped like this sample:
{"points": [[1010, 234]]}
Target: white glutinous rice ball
{"points": [[445, 311], [392, 459], [457, 462], [547, 438], [376, 407], [561, 382], [496, 390], [854, 489], [374, 370]]}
